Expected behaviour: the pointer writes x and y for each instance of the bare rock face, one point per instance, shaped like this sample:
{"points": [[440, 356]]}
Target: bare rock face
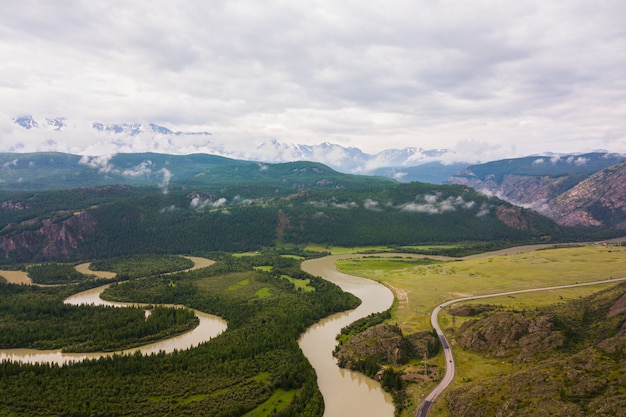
{"points": [[51, 239], [513, 218], [599, 200], [501, 332], [596, 200]]}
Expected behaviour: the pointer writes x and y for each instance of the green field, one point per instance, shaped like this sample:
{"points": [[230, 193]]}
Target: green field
{"points": [[341, 250], [420, 287]]}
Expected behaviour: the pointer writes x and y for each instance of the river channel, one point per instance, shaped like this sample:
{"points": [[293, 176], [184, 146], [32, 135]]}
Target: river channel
{"points": [[345, 393], [209, 327]]}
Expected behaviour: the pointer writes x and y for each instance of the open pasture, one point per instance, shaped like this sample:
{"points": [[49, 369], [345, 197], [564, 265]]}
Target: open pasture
{"points": [[420, 288]]}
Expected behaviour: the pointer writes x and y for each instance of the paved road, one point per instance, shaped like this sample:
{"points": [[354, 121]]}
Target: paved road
{"points": [[424, 407]]}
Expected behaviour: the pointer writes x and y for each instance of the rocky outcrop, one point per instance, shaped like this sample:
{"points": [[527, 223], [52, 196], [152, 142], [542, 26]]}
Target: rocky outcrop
{"points": [[599, 200], [56, 238], [385, 344], [584, 378], [501, 333]]}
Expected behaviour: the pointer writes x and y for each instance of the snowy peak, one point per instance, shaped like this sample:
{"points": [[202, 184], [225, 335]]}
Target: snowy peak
{"points": [[157, 138], [344, 159], [27, 122], [131, 129], [125, 129], [134, 129], [57, 123]]}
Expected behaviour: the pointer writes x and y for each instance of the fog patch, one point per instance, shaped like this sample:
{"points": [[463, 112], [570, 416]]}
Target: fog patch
{"points": [[431, 204], [144, 169], [8, 164], [198, 203], [483, 210], [101, 163], [399, 175], [167, 176], [371, 205], [346, 206]]}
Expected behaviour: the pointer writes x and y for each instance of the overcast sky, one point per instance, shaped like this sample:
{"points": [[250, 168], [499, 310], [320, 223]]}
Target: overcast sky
{"points": [[502, 78]]}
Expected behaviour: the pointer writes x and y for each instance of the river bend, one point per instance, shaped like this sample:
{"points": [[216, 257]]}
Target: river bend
{"points": [[345, 393]]}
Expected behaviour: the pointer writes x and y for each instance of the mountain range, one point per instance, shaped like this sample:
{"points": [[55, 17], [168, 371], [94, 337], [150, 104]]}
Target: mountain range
{"points": [[572, 189], [390, 162]]}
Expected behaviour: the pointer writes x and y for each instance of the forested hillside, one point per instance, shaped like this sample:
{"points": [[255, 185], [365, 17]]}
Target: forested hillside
{"points": [[53, 171], [89, 223]]}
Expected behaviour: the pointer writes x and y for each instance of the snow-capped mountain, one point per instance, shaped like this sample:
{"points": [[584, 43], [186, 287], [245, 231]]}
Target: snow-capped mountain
{"points": [[345, 159], [134, 129], [150, 137]]}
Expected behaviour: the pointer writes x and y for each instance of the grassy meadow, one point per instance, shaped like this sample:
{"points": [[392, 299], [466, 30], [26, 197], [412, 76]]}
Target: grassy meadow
{"points": [[420, 285]]}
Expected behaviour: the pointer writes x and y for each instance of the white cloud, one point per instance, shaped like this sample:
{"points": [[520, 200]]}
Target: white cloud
{"points": [[431, 204], [144, 169], [513, 78], [167, 176], [101, 163], [581, 161], [371, 205], [198, 203]]}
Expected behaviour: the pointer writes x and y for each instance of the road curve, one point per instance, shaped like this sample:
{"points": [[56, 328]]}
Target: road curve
{"points": [[424, 407]]}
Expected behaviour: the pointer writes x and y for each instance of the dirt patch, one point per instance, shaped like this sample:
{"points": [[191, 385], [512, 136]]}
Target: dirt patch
{"points": [[16, 277], [617, 307], [401, 295]]}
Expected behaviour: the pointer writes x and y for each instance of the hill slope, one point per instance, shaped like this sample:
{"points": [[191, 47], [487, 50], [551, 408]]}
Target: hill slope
{"points": [[571, 357], [569, 189], [48, 171], [109, 221]]}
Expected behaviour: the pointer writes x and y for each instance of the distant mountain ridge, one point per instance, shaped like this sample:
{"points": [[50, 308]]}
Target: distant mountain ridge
{"points": [[55, 170], [344, 159]]}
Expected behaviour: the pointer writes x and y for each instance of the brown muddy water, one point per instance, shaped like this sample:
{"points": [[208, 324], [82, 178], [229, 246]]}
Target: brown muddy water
{"points": [[209, 327], [345, 393]]}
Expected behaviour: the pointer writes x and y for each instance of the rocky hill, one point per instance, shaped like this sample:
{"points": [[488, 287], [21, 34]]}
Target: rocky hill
{"points": [[599, 200], [583, 190], [570, 360]]}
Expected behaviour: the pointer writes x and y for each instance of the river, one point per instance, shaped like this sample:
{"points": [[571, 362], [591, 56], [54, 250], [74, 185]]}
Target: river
{"points": [[209, 326], [345, 393]]}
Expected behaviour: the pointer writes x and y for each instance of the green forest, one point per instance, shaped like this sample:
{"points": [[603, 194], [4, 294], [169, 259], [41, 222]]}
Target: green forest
{"points": [[115, 221], [229, 375]]}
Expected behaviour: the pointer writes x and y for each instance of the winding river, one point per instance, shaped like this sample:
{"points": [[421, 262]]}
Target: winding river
{"points": [[345, 393], [209, 326]]}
